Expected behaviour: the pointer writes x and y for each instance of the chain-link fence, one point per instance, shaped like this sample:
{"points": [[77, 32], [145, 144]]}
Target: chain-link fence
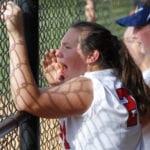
{"points": [[55, 16]]}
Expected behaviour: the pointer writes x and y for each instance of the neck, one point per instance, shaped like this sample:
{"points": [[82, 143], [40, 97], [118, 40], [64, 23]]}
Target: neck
{"points": [[95, 67], [145, 65]]}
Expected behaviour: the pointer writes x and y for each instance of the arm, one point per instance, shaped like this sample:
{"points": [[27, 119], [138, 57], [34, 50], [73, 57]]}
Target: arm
{"points": [[70, 98]]}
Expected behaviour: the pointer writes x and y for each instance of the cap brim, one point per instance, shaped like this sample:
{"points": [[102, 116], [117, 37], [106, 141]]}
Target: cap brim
{"points": [[139, 18], [133, 20]]}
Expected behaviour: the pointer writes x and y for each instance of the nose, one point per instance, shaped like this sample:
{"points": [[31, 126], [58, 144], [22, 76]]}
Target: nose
{"points": [[59, 53]]}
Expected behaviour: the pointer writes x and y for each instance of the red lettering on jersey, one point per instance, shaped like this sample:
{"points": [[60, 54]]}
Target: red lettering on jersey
{"points": [[128, 101], [63, 135]]}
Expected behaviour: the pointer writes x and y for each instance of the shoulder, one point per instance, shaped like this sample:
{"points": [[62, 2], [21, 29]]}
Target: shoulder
{"points": [[82, 83]]}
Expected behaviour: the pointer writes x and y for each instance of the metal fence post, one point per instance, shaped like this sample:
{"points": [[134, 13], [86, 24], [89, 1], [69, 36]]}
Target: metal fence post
{"points": [[29, 131]]}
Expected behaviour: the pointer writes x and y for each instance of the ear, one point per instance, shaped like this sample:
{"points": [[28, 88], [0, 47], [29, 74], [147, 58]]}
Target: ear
{"points": [[93, 57]]}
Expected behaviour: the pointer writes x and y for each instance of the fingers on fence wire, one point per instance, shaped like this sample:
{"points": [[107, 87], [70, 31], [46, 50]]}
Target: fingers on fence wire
{"points": [[3, 6]]}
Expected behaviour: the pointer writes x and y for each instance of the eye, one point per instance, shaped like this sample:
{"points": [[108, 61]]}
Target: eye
{"points": [[139, 27], [67, 47]]}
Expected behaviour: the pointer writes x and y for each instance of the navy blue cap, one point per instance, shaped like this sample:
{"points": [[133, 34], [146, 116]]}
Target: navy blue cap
{"points": [[140, 17]]}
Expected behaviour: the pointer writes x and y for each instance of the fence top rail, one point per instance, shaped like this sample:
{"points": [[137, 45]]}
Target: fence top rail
{"points": [[12, 122]]}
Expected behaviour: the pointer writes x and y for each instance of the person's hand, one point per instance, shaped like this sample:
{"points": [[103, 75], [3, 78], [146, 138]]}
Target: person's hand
{"points": [[51, 68], [11, 14]]}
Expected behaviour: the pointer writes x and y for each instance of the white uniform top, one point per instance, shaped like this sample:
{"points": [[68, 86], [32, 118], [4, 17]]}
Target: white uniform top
{"points": [[146, 128], [106, 125], [146, 136], [146, 76]]}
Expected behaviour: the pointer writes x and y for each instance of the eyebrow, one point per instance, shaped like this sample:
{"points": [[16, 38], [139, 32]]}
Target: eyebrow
{"points": [[65, 43]]}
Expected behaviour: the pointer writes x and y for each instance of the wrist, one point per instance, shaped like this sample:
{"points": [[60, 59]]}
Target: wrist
{"points": [[16, 38]]}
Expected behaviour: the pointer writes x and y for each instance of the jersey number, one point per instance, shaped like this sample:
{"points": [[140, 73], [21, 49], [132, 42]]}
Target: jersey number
{"points": [[63, 135], [128, 101]]}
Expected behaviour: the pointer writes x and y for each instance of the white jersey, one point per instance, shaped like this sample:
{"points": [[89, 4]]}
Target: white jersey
{"points": [[146, 128], [146, 76], [146, 136], [111, 122]]}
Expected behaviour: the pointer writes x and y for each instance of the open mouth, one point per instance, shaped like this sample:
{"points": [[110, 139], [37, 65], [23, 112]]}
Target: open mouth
{"points": [[62, 71]]}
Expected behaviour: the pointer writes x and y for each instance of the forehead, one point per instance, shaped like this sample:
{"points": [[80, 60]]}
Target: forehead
{"points": [[143, 28], [71, 36]]}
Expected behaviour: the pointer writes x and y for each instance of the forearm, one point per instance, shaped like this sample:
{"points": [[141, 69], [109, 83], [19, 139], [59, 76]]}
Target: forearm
{"points": [[23, 86], [22, 83]]}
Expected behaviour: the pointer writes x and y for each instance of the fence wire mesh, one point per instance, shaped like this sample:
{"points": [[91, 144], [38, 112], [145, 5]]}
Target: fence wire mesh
{"points": [[55, 16]]}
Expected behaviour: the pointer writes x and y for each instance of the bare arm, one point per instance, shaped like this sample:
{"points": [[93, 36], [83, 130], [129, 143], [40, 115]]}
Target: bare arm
{"points": [[71, 98]]}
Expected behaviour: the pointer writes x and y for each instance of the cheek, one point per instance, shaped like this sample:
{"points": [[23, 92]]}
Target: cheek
{"points": [[145, 38], [76, 61]]}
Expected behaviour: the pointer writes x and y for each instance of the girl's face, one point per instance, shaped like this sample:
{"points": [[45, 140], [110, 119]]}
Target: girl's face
{"points": [[142, 35], [134, 45], [70, 55]]}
